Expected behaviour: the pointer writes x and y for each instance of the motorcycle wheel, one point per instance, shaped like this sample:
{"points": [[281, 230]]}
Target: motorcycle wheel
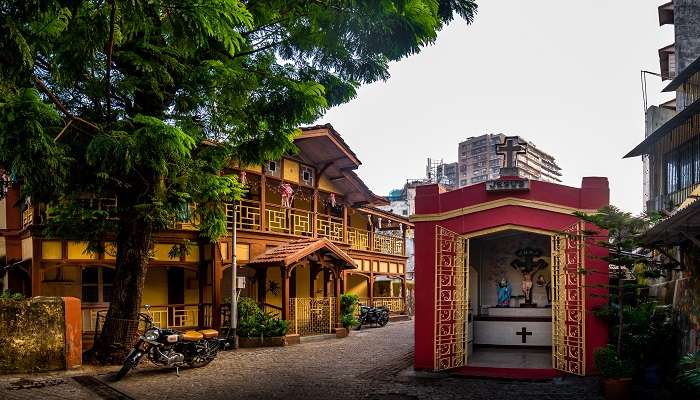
{"points": [[383, 321], [202, 360], [129, 364], [359, 326]]}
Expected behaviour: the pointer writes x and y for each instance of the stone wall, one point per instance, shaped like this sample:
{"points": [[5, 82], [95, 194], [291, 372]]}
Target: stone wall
{"points": [[39, 334]]}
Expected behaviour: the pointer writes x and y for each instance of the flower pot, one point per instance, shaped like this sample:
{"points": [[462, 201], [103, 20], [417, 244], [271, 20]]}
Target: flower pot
{"points": [[617, 388]]}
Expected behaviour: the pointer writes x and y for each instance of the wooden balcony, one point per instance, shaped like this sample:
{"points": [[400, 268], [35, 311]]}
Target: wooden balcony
{"points": [[306, 223]]}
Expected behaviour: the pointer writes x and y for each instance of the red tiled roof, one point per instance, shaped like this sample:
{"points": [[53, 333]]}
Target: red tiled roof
{"points": [[295, 250]]}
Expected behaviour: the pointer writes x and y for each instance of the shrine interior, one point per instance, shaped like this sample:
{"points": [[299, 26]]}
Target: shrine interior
{"points": [[517, 333]]}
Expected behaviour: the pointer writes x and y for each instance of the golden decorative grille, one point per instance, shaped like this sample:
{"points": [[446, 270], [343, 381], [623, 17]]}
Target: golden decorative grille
{"points": [[301, 222], [28, 216], [248, 215], [311, 316], [451, 300], [358, 239], [388, 244], [277, 220], [330, 228], [568, 301], [394, 304]]}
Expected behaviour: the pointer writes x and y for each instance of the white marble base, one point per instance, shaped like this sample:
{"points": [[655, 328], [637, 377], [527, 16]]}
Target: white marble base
{"points": [[503, 333]]}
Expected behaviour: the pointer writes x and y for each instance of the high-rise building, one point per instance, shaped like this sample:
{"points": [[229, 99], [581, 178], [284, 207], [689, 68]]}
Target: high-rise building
{"points": [[478, 161]]}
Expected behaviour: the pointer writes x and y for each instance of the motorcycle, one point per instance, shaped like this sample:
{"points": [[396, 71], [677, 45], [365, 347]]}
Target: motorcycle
{"points": [[171, 348], [373, 315]]}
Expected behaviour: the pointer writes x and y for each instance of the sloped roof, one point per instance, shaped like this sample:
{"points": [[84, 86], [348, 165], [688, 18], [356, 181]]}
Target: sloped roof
{"points": [[295, 250]]}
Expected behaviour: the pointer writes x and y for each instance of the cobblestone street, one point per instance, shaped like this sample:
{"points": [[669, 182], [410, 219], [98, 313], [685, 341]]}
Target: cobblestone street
{"points": [[370, 364]]}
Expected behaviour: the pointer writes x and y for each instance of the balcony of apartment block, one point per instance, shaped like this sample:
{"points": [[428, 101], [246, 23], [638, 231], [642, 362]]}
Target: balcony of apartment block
{"points": [[315, 213]]}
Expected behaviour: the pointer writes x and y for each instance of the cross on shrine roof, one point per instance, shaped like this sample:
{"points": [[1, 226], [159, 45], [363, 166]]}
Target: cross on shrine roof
{"points": [[510, 148]]}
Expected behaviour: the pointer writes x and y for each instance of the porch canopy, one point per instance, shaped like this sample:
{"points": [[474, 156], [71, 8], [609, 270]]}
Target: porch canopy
{"points": [[292, 252], [680, 227]]}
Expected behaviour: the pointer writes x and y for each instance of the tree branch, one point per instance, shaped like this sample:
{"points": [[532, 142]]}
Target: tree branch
{"points": [[57, 102], [108, 75]]}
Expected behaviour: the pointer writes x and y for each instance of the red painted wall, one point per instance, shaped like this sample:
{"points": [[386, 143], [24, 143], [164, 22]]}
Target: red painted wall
{"points": [[593, 194]]}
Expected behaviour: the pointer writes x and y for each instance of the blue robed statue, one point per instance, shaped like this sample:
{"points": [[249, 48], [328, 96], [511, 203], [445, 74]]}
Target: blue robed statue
{"points": [[505, 289]]}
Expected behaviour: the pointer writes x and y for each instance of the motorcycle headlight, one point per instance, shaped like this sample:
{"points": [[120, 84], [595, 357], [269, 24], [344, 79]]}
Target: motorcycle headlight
{"points": [[152, 335]]}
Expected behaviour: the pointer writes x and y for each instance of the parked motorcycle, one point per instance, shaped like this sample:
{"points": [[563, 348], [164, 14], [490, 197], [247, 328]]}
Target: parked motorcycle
{"points": [[373, 315], [171, 348]]}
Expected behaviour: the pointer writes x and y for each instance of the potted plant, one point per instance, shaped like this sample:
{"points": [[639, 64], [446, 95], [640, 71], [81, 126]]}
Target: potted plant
{"points": [[348, 313], [616, 372], [257, 328]]}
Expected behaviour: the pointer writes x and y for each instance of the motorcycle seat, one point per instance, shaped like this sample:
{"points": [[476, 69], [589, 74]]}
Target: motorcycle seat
{"points": [[209, 333], [192, 336]]}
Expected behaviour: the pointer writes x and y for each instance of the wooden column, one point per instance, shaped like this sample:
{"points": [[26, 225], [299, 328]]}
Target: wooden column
{"points": [[403, 231], [285, 292], [314, 227], [336, 275], [371, 287], [345, 281], [202, 284], [263, 199], [345, 223], [217, 276], [36, 266]]}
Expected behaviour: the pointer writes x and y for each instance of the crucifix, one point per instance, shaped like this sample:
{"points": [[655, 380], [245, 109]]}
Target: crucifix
{"points": [[524, 334], [510, 148]]}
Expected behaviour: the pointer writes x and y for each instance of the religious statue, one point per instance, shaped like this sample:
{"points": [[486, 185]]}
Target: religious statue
{"points": [[527, 266], [505, 289], [287, 195]]}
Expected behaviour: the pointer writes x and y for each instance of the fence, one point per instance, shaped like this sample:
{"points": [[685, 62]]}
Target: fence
{"points": [[311, 316]]}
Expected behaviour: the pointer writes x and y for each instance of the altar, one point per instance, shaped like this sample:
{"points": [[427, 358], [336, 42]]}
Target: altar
{"points": [[504, 278]]}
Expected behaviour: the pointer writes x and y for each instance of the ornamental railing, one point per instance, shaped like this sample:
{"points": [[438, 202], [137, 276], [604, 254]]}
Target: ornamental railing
{"points": [[393, 304], [311, 316], [300, 222], [247, 215], [387, 244], [358, 239], [330, 228]]}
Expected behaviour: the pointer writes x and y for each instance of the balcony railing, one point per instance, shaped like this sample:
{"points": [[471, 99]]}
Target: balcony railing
{"points": [[394, 304], [299, 222]]}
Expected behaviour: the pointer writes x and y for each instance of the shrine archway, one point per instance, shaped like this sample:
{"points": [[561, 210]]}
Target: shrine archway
{"points": [[451, 225]]}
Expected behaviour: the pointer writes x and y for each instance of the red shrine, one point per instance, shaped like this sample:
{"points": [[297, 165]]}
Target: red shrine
{"points": [[504, 283]]}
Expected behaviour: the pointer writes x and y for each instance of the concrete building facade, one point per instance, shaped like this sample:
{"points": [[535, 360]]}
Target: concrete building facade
{"points": [[478, 161]]}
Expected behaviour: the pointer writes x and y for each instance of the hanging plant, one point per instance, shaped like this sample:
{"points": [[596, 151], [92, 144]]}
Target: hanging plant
{"points": [[273, 288]]}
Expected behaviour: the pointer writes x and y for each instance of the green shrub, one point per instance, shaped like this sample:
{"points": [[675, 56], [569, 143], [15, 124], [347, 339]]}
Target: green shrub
{"points": [[689, 376], [253, 322], [348, 306], [7, 295], [609, 363]]}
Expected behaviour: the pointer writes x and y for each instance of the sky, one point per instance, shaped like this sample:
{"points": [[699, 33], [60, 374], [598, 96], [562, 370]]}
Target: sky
{"points": [[562, 74]]}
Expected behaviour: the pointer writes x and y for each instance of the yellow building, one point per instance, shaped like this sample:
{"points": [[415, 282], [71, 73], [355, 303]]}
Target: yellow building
{"points": [[296, 256]]}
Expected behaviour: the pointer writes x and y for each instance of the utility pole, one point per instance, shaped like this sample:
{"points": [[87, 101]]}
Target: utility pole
{"points": [[234, 281]]}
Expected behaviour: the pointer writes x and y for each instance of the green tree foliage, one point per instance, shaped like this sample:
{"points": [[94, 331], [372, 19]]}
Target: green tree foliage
{"points": [[642, 332], [146, 101]]}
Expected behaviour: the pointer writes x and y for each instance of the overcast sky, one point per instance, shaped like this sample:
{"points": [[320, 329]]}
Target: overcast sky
{"points": [[563, 74]]}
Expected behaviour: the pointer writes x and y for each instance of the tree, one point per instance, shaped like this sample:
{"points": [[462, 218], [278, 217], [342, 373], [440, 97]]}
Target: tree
{"points": [[622, 234], [146, 101]]}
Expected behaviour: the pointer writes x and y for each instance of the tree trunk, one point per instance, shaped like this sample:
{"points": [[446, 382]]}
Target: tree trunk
{"points": [[133, 242]]}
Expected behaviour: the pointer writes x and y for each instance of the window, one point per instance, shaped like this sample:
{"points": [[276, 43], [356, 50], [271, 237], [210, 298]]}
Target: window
{"points": [[307, 175], [682, 167], [272, 166], [97, 284]]}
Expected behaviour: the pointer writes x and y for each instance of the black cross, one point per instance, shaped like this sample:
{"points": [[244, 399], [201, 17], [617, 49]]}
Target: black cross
{"points": [[510, 148], [524, 333]]}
